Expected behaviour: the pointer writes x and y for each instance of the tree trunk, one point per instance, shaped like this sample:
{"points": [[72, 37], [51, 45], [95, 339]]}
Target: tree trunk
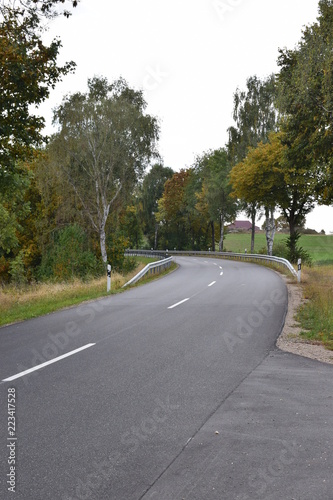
{"points": [[102, 240], [253, 220], [221, 233], [270, 229], [292, 226], [213, 236], [292, 240], [155, 239]]}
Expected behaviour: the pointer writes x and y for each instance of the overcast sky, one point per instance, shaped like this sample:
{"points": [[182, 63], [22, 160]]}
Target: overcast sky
{"points": [[188, 56]]}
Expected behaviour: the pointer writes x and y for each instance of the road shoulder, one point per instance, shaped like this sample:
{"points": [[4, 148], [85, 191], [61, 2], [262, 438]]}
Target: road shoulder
{"points": [[290, 339]]}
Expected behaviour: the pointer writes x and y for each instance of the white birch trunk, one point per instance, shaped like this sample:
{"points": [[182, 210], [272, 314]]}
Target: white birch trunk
{"points": [[270, 229], [102, 240]]}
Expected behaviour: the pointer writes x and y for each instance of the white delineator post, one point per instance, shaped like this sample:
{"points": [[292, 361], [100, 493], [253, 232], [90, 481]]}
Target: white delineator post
{"points": [[108, 286], [299, 270]]}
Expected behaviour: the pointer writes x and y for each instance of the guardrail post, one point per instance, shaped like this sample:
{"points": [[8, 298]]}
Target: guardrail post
{"points": [[108, 280], [299, 270]]}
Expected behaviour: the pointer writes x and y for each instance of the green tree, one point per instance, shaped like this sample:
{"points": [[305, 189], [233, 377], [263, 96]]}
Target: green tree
{"points": [[268, 178], [255, 116], [214, 168], [28, 70], [306, 101], [199, 222], [130, 226], [104, 144], [151, 191], [258, 181], [172, 212], [68, 256], [13, 209]]}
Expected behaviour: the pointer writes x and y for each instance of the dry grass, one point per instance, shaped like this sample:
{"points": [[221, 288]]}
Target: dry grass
{"points": [[25, 302], [316, 316]]}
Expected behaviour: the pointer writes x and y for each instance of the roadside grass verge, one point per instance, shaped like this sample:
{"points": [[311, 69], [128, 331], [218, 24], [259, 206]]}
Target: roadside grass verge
{"points": [[319, 246], [18, 303], [316, 315]]}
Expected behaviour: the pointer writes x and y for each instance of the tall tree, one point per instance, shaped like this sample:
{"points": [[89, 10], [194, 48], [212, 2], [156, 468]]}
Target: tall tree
{"points": [[256, 180], [214, 168], [28, 70], [306, 101], [255, 116], [104, 144], [130, 226], [173, 211], [267, 177], [151, 191]]}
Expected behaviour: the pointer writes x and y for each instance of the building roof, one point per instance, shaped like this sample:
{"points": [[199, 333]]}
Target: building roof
{"points": [[242, 225]]}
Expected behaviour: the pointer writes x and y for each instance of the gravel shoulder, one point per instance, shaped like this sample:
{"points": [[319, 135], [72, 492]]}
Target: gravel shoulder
{"points": [[290, 339]]}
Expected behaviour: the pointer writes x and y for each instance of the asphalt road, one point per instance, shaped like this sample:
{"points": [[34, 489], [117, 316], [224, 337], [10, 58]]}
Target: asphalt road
{"points": [[173, 390]]}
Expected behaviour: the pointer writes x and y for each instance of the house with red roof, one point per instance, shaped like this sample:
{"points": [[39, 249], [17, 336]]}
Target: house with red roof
{"points": [[241, 226]]}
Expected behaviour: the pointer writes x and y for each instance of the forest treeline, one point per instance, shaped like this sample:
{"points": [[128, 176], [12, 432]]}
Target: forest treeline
{"points": [[73, 202]]}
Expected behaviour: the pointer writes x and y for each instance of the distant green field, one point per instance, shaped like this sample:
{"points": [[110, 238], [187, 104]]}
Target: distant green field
{"points": [[319, 246]]}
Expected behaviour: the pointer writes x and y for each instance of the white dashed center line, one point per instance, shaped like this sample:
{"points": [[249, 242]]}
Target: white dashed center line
{"points": [[178, 303], [38, 367]]}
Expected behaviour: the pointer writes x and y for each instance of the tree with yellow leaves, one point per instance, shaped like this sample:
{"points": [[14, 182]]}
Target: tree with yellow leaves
{"points": [[267, 177]]}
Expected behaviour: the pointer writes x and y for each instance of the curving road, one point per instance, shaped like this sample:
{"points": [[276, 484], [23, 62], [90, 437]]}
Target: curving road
{"points": [[173, 390]]}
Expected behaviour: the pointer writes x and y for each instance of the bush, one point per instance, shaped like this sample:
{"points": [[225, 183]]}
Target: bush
{"points": [[68, 257], [4, 270], [17, 269], [280, 250], [129, 264], [295, 252], [116, 246]]}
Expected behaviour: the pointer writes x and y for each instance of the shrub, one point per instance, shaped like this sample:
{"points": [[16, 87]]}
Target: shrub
{"points": [[280, 250], [295, 252], [129, 264], [4, 270], [68, 257], [116, 246], [17, 269]]}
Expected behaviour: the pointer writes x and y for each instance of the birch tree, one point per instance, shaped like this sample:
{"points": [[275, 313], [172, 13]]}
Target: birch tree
{"points": [[268, 178], [255, 117], [259, 180], [104, 143]]}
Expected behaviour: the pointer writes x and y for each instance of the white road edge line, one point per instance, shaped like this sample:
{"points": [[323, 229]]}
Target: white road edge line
{"points": [[178, 303], [213, 283], [38, 367]]}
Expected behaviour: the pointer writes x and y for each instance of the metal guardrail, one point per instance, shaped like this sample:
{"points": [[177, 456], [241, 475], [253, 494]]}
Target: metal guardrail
{"points": [[152, 267], [223, 255]]}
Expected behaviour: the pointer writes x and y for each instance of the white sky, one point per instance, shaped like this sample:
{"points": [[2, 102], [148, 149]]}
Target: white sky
{"points": [[188, 56]]}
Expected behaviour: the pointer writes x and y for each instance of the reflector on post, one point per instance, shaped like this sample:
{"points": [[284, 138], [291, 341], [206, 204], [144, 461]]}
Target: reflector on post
{"points": [[108, 286]]}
